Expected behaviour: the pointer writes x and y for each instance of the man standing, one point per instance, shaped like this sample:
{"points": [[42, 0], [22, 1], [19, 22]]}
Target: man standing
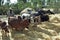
{"points": [[10, 13]]}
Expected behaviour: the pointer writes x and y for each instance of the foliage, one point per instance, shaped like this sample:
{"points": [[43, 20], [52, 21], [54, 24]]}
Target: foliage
{"points": [[22, 4]]}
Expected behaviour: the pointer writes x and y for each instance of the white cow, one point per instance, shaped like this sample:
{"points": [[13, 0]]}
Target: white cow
{"points": [[26, 15]]}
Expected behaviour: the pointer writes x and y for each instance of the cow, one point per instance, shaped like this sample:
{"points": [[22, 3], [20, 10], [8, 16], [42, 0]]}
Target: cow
{"points": [[27, 16], [44, 18], [19, 23], [41, 12], [4, 26], [42, 15], [48, 12]]}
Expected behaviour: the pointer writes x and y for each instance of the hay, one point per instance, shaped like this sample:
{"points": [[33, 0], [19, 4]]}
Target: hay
{"points": [[45, 31]]}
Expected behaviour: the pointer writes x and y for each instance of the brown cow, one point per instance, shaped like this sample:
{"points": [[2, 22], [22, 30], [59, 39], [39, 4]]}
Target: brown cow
{"points": [[18, 24]]}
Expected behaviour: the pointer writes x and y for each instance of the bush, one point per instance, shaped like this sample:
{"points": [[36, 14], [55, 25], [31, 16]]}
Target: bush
{"points": [[16, 11]]}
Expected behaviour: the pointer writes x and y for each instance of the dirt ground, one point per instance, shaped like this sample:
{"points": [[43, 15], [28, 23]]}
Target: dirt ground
{"points": [[44, 31]]}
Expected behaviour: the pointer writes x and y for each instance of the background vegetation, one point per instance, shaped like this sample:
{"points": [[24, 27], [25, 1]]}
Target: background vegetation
{"points": [[21, 4]]}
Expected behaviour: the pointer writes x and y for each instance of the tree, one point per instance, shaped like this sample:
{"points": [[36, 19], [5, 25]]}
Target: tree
{"points": [[24, 1], [8, 2], [1, 2]]}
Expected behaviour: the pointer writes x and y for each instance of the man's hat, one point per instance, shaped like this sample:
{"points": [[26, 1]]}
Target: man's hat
{"points": [[10, 8]]}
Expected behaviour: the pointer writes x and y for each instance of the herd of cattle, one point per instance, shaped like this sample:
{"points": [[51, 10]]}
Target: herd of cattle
{"points": [[20, 23]]}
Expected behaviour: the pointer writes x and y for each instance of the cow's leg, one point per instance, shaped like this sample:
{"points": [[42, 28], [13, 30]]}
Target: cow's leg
{"points": [[47, 18], [29, 20], [17, 29], [32, 20], [1, 34], [40, 20], [6, 30], [10, 35], [35, 20]]}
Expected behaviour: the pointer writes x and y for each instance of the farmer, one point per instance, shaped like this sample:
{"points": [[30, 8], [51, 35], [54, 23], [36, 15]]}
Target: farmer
{"points": [[10, 13]]}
